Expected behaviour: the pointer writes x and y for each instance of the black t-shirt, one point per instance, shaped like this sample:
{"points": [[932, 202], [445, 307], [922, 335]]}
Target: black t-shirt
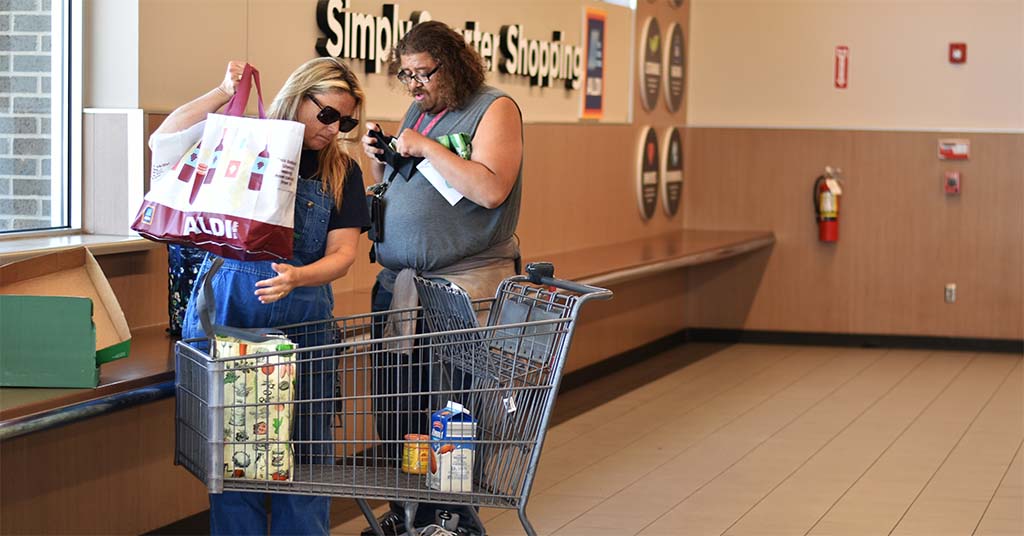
{"points": [[353, 211]]}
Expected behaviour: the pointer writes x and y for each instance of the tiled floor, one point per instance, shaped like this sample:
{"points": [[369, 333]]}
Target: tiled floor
{"points": [[763, 440]]}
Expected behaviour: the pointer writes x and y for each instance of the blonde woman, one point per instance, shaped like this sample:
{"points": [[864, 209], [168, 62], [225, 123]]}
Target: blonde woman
{"points": [[330, 214]]}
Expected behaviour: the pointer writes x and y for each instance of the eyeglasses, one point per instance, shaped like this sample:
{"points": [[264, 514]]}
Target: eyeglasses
{"points": [[328, 115], [405, 76]]}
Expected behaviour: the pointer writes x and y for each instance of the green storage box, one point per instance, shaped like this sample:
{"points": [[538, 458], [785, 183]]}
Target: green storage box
{"points": [[59, 321]]}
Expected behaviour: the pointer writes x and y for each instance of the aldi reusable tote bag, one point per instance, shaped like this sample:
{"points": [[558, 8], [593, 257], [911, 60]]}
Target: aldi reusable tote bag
{"points": [[233, 193]]}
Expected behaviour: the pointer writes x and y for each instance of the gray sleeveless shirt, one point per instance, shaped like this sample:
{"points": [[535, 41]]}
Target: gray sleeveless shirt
{"points": [[421, 230]]}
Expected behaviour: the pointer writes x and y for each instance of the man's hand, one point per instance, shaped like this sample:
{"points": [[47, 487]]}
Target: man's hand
{"points": [[412, 143], [369, 142]]}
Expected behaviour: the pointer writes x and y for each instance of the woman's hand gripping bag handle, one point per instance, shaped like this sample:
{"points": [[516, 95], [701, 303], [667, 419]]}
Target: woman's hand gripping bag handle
{"points": [[236, 106]]}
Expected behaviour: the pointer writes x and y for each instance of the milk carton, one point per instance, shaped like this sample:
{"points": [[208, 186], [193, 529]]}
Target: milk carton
{"points": [[452, 430]]}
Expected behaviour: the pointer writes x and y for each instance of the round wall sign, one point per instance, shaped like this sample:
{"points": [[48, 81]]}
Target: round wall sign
{"points": [[649, 176], [672, 172], [650, 63], [674, 67]]}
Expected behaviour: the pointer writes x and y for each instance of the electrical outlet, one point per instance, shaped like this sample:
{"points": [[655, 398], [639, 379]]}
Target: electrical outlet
{"points": [[951, 293]]}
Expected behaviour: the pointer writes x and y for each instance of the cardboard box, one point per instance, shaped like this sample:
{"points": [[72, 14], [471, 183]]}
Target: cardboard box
{"points": [[59, 321], [452, 449]]}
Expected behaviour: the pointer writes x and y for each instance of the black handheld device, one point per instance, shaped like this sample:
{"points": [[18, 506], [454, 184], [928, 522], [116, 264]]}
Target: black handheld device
{"points": [[401, 165], [382, 141]]}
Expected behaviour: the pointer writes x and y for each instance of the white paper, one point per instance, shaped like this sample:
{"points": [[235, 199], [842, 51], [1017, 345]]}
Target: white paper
{"points": [[510, 404], [450, 194]]}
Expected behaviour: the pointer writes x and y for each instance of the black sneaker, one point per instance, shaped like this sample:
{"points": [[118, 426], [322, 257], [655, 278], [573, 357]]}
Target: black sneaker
{"points": [[392, 523]]}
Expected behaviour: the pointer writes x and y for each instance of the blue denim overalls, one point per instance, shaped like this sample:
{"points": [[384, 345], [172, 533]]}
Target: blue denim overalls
{"points": [[237, 306]]}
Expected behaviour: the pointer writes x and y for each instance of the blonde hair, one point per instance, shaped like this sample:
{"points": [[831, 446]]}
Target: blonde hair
{"points": [[317, 77]]}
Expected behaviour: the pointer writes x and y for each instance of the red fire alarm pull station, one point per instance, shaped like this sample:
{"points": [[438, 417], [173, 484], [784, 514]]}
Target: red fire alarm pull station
{"points": [[952, 183], [958, 53]]}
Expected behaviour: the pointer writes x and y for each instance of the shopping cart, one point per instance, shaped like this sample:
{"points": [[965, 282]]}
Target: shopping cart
{"points": [[362, 397]]}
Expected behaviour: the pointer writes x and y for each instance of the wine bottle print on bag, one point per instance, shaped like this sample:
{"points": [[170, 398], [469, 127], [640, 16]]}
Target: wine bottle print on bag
{"points": [[205, 174], [216, 158], [188, 165], [258, 168]]}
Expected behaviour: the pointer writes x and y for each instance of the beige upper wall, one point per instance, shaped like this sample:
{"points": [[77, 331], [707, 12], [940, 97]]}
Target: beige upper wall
{"points": [[770, 63], [277, 35], [111, 51]]}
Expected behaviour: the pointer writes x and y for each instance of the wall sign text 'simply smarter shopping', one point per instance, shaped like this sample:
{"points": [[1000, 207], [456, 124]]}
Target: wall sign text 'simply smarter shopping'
{"points": [[370, 38]]}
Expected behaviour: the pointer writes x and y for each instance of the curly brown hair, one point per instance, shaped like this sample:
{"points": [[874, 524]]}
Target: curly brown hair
{"points": [[463, 69]]}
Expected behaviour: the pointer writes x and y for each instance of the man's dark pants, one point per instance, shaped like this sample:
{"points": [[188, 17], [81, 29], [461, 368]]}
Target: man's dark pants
{"points": [[396, 416]]}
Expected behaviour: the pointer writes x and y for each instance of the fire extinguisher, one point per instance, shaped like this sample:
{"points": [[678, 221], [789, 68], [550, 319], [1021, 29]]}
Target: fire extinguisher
{"points": [[826, 206]]}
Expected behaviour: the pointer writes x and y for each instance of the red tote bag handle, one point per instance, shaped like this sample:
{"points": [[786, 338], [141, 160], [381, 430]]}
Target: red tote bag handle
{"points": [[236, 106]]}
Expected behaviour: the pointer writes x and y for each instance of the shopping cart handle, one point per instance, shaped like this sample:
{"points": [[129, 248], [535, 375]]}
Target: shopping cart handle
{"points": [[538, 270], [542, 273]]}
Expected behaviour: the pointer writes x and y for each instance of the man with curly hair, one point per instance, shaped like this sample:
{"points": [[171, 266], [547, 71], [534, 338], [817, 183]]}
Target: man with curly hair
{"points": [[469, 241]]}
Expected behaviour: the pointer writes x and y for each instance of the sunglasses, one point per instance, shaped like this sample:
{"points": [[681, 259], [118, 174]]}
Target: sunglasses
{"points": [[405, 76], [328, 115]]}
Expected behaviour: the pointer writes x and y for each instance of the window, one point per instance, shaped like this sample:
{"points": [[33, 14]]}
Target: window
{"points": [[39, 111]]}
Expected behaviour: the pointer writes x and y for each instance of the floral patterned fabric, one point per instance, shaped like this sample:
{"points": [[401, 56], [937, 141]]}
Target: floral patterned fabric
{"points": [[258, 395], [182, 269]]}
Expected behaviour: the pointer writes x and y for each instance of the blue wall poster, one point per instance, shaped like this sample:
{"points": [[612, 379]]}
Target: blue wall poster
{"points": [[593, 95]]}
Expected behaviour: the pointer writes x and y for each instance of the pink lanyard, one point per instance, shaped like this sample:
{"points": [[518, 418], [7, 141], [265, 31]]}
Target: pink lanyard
{"points": [[431, 124]]}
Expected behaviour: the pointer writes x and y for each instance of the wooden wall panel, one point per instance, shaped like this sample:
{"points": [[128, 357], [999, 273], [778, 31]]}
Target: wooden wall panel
{"points": [[580, 189], [139, 280], [901, 238], [107, 475], [64, 472], [641, 311], [721, 294], [167, 492]]}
